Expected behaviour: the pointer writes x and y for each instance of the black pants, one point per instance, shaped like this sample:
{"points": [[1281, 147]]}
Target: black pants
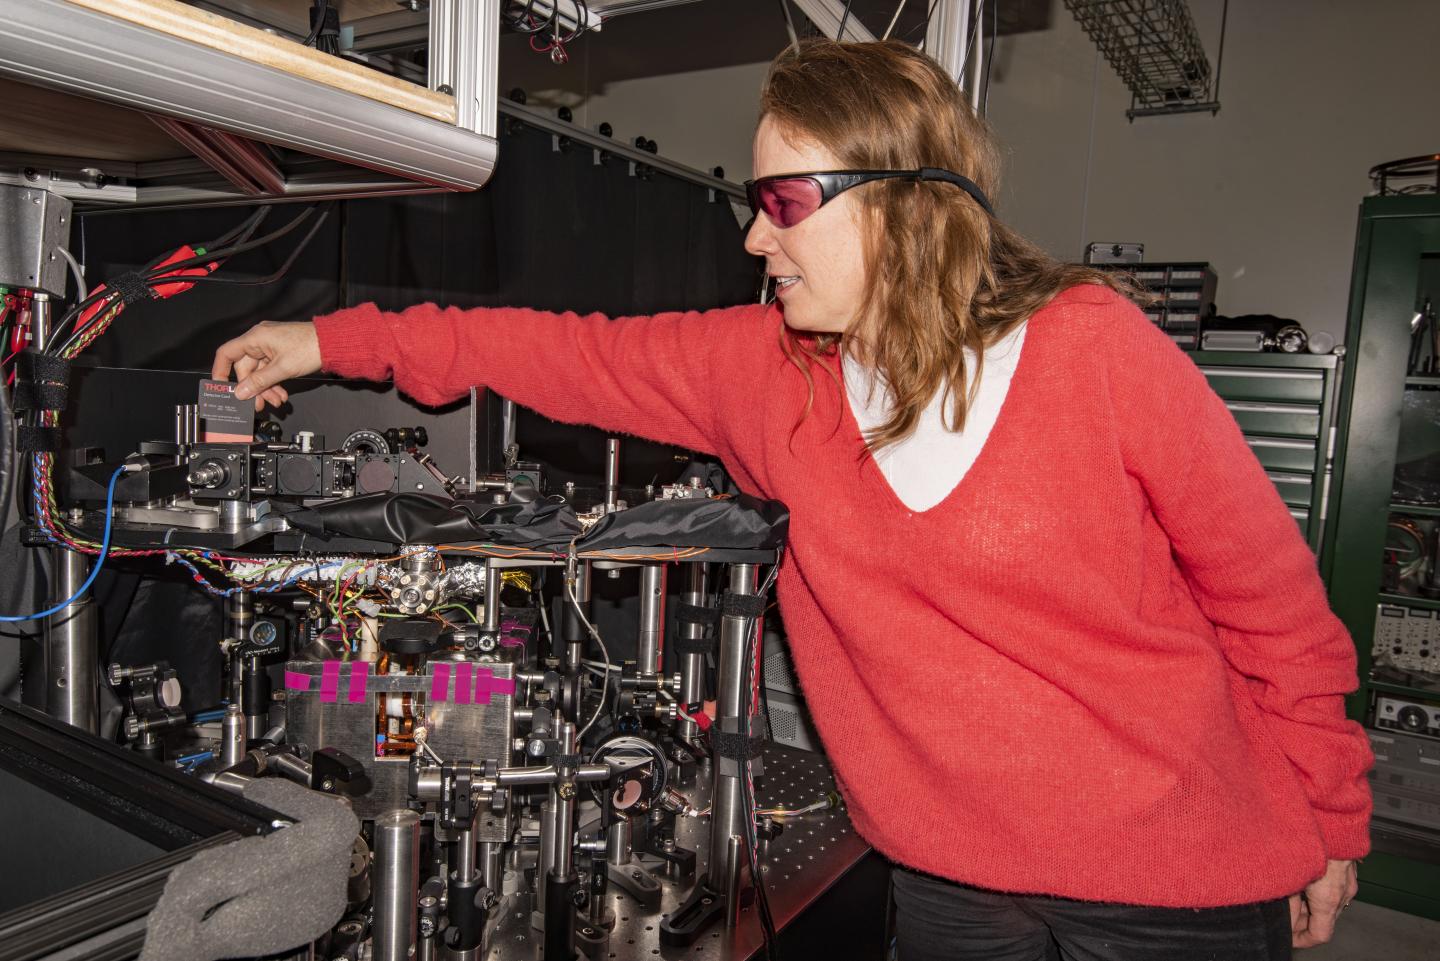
{"points": [[937, 920]]}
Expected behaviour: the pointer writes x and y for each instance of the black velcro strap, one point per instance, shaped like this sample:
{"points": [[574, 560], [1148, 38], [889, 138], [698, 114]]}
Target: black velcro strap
{"points": [[742, 605], [565, 760], [735, 747], [695, 614], [131, 287], [32, 396], [42, 368], [693, 645], [37, 439]]}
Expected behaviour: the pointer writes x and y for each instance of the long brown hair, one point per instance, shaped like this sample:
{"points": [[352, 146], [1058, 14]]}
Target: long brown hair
{"points": [[942, 274]]}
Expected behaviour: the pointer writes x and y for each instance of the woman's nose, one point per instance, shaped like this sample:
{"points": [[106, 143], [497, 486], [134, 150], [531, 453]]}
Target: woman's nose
{"points": [[760, 238]]}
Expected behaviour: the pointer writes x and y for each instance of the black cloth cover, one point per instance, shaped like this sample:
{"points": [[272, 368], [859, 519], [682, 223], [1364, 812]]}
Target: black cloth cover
{"points": [[734, 523]]}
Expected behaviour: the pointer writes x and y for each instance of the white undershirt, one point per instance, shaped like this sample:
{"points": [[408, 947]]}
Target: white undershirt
{"points": [[925, 467]]}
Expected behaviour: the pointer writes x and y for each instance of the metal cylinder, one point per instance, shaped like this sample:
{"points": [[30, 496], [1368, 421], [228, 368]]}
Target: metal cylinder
{"points": [[619, 840], [232, 736], [650, 651], [257, 699], [563, 796], [612, 473], [181, 425], [232, 515], [548, 836], [72, 692], [734, 852], [396, 885], [492, 865], [692, 666], [40, 317], [493, 583], [239, 616], [465, 854], [732, 715], [572, 628]]}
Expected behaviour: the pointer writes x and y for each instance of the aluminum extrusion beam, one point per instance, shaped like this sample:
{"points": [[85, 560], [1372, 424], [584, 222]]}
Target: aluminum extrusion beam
{"points": [[54, 44], [948, 37], [827, 14]]}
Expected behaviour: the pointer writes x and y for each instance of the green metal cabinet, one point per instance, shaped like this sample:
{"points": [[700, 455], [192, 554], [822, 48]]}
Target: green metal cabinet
{"points": [[1285, 406], [1395, 265]]}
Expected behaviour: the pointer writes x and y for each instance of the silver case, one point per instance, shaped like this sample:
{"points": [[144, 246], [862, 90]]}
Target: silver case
{"points": [[456, 732]]}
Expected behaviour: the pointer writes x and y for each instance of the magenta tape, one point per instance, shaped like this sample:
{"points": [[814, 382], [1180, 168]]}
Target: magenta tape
{"points": [[359, 675], [329, 681], [486, 683], [440, 683], [462, 683], [297, 682]]}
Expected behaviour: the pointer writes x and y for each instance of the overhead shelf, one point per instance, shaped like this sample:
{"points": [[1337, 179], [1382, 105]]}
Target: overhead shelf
{"points": [[251, 110]]}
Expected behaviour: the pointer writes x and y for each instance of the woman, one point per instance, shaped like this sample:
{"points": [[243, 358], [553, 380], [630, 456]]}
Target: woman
{"points": [[1030, 590]]}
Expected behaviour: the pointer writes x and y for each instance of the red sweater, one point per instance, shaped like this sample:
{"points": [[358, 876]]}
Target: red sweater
{"points": [[1103, 668]]}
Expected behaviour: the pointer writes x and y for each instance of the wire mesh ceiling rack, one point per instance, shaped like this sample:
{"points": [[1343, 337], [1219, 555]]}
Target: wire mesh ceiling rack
{"points": [[1153, 46]]}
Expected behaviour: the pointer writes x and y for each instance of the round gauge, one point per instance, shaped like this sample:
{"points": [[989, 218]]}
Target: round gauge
{"points": [[366, 441]]}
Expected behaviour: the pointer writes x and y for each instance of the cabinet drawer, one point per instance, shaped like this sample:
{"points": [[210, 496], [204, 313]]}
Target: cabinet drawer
{"points": [[1302, 517], [1287, 420], [1284, 454], [1295, 489], [1253, 383]]}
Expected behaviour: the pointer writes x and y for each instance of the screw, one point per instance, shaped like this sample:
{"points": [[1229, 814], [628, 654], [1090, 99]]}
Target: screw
{"points": [[32, 174]]}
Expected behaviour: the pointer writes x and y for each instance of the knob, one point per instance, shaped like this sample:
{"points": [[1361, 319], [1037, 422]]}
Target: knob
{"points": [[1413, 718], [209, 475]]}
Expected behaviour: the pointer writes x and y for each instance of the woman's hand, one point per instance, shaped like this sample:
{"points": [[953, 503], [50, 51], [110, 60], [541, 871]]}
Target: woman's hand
{"points": [[265, 355], [1313, 912]]}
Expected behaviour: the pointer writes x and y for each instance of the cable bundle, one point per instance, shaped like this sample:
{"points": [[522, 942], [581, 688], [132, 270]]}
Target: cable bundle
{"points": [[165, 276]]}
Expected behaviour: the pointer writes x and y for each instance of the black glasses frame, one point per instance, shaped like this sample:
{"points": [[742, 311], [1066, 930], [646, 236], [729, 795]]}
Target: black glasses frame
{"points": [[833, 183]]}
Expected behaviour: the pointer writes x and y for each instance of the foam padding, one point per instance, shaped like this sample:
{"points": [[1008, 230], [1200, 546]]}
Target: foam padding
{"points": [[263, 895]]}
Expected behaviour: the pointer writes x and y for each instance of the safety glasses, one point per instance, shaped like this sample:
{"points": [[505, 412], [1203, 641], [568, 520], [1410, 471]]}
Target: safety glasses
{"points": [[788, 199]]}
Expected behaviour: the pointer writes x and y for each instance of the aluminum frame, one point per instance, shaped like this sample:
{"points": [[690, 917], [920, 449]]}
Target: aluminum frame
{"points": [[54, 44]]}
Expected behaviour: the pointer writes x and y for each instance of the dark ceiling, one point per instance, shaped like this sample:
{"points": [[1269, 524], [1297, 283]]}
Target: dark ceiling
{"points": [[721, 33]]}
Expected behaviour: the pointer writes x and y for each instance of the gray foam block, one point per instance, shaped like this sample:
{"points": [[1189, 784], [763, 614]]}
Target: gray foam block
{"points": [[262, 895]]}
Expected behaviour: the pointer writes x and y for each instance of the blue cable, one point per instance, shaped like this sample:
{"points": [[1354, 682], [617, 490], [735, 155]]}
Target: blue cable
{"points": [[99, 561], [206, 716]]}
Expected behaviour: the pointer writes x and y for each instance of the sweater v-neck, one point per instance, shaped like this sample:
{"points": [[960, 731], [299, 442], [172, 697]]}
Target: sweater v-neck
{"points": [[874, 478]]}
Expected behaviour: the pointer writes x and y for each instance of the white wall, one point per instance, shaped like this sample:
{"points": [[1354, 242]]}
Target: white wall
{"points": [[1314, 93], [702, 118]]}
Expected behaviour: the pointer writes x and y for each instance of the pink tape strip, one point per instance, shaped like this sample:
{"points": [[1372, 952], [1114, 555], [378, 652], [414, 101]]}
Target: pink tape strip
{"points": [[329, 681], [462, 684], [359, 674], [486, 683], [440, 683], [297, 682]]}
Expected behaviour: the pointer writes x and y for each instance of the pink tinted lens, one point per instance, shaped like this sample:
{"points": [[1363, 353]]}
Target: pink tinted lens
{"points": [[787, 202]]}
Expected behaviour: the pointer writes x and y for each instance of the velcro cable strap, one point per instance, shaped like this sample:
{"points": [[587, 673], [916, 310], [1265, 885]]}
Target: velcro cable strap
{"points": [[695, 614], [32, 396], [742, 605], [693, 645], [37, 439], [735, 747], [131, 286], [565, 760], [42, 368]]}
